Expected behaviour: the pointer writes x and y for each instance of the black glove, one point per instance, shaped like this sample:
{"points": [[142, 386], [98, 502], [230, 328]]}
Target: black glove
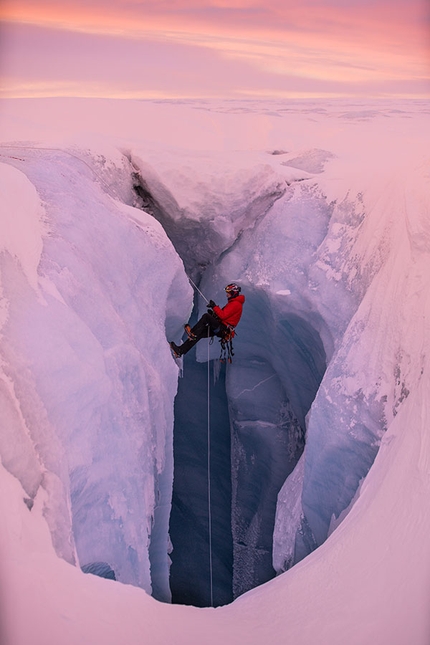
{"points": [[211, 304]]}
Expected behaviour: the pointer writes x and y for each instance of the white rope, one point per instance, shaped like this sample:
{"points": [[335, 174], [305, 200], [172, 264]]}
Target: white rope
{"points": [[197, 289], [209, 485]]}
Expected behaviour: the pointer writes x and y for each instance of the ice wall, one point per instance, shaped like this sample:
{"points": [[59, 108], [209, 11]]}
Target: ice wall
{"points": [[357, 398], [307, 267], [88, 381]]}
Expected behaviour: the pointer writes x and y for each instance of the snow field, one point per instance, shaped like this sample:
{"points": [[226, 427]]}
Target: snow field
{"points": [[341, 242]]}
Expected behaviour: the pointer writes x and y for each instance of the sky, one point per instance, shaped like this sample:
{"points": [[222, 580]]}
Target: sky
{"points": [[230, 49]]}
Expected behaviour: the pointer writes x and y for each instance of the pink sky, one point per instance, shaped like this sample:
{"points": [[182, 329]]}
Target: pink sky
{"points": [[215, 48]]}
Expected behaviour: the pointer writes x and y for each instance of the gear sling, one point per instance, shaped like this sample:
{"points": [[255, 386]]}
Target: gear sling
{"points": [[226, 342]]}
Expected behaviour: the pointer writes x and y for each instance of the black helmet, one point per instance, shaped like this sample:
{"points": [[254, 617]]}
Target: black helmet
{"points": [[233, 289]]}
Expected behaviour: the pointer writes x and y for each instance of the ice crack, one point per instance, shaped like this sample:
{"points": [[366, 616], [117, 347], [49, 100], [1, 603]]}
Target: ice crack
{"points": [[255, 386]]}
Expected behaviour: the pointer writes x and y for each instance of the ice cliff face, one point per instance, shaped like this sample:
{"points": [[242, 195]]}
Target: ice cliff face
{"points": [[88, 382]]}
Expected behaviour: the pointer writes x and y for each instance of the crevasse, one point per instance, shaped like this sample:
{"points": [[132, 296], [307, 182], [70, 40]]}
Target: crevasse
{"points": [[294, 321], [258, 426], [94, 382]]}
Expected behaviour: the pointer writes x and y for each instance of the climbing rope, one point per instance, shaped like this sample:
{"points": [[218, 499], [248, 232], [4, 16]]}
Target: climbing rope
{"points": [[209, 486], [193, 284], [209, 460]]}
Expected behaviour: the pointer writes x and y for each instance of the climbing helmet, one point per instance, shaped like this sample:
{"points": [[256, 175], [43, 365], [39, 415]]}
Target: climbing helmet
{"points": [[233, 289]]}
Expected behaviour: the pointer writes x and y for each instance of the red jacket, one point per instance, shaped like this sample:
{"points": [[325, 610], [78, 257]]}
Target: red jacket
{"points": [[230, 314]]}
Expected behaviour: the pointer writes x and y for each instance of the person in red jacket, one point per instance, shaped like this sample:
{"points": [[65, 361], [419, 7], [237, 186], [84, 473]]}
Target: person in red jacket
{"points": [[216, 322]]}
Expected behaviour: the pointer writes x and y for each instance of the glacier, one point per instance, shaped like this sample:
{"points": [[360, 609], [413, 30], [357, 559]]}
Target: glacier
{"points": [[319, 422], [82, 370]]}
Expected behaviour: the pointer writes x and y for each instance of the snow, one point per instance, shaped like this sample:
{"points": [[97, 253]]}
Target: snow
{"points": [[21, 232], [330, 241]]}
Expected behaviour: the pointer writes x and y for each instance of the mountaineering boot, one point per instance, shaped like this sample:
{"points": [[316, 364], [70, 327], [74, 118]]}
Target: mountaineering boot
{"points": [[189, 333], [176, 351]]}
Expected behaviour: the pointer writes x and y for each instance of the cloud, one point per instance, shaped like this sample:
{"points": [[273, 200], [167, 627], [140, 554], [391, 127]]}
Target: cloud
{"points": [[220, 47]]}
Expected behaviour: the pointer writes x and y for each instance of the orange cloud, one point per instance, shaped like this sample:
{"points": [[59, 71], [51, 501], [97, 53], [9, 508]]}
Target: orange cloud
{"points": [[362, 42], [377, 20]]}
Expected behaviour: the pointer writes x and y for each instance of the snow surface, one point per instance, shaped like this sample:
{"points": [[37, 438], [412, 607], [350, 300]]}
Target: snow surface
{"points": [[321, 211]]}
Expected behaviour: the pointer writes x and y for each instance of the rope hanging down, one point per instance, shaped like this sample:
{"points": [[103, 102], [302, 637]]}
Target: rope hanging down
{"points": [[209, 458], [209, 487], [209, 461]]}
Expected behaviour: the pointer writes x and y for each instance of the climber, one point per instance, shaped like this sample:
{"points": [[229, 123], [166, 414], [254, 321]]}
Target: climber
{"points": [[216, 322]]}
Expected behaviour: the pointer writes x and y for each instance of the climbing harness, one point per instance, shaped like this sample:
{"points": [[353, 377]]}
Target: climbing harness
{"points": [[209, 486], [226, 342]]}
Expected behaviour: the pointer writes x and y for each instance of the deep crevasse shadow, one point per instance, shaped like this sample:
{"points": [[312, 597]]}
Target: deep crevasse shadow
{"points": [[189, 573]]}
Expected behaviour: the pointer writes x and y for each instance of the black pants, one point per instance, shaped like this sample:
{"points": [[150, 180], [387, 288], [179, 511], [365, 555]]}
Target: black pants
{"points": [[208, 326]]}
